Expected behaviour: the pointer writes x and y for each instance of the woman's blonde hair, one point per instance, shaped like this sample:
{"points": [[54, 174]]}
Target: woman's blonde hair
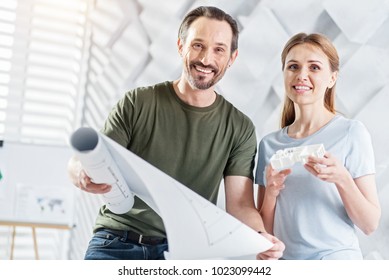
{"points": [[322, 42]]}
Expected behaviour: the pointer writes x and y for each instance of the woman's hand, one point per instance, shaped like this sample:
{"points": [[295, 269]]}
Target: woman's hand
{"points": [[275, 180], [328, 168]]}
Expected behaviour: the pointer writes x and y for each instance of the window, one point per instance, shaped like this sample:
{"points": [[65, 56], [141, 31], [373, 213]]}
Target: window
{"points": [[7, 31], [42, 58]]}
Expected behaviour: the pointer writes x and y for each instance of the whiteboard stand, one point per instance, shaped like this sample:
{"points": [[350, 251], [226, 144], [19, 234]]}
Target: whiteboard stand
{"points": [[33, 227]]}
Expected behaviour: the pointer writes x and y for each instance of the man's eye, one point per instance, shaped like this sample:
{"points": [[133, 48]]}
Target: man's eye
{"points": [[197, 46]]}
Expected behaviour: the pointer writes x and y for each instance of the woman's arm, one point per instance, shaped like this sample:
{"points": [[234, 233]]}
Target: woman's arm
{"points": [[267, 196], [359, 195]]}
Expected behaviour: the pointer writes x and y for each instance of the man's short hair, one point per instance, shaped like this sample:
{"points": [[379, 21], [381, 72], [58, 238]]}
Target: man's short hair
{"points": [[212, 13]]}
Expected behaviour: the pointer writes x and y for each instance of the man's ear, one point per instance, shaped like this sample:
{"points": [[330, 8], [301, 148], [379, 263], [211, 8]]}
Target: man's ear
{"points": [[233, 57], [180, 46]]}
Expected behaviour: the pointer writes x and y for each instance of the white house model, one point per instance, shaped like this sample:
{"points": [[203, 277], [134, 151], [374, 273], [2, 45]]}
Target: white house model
{"points": [[286, 158]]}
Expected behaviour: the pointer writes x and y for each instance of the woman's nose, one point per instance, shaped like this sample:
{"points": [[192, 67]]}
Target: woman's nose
{"points": [[302, 74]]}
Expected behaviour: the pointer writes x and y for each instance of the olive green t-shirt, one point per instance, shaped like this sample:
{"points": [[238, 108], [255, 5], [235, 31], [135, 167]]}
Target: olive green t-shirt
{"points": [[196, 146]]}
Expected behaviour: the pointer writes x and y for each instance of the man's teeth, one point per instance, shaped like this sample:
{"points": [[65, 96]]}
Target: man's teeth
{"points": [[203, 70], [302, 88]]}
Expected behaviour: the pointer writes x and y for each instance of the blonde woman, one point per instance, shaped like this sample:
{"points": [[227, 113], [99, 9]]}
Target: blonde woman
{"points": [[315, 207]]}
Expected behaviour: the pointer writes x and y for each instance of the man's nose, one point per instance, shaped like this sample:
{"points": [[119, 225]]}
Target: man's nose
{"points": [[206, 56]]}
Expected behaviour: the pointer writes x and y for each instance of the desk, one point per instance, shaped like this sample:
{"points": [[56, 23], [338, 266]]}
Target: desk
{"points": [[33, 227]]}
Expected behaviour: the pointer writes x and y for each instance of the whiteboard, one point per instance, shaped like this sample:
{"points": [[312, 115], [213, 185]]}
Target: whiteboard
{"points": [[35, 187]]}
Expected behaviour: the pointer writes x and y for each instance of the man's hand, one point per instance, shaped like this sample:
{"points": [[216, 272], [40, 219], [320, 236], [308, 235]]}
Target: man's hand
{"points": [[85, 183], [82, 181], [275, 252]]}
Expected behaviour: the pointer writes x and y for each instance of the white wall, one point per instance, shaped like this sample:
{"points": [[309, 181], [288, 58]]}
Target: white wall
{"points": [[35, 190]]}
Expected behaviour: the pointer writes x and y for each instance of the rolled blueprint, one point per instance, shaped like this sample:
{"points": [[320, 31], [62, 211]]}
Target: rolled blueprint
{"points": [[213, 233], [90, 149]]}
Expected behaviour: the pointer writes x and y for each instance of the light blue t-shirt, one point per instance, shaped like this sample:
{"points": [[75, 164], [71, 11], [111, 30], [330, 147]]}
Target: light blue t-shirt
{"points": [[310, 217]]}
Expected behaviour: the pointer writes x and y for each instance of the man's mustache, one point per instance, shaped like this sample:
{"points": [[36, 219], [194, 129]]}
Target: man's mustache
{"points": [[212, 67]]}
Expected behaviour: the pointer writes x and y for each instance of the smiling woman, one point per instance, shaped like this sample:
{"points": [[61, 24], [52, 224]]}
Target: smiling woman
{"points": [[315, 215], [309, 64], [307, 75]]}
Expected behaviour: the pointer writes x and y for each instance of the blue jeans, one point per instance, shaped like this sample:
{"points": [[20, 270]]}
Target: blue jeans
{"points": [[105, 245]]}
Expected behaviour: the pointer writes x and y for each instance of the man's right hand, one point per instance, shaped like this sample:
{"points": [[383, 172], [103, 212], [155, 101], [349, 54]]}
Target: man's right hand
{"points": [[81, 180], [85, 183]]}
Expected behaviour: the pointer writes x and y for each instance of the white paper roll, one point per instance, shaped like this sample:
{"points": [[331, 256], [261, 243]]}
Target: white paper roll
{"points": [[98, 164]]}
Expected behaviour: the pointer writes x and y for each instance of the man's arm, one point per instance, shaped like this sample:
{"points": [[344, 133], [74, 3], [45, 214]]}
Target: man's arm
{"points": [[240, 204], [240, 201]]}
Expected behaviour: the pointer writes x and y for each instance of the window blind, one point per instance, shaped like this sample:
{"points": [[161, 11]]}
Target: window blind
{"points": [[42, 52]]}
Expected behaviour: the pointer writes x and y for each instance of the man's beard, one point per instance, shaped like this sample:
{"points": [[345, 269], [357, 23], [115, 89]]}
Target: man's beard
{"points": [[199, 81]]}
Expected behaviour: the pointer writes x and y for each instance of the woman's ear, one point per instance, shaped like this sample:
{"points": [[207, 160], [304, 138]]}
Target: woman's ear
{"points": [[333, 79]]}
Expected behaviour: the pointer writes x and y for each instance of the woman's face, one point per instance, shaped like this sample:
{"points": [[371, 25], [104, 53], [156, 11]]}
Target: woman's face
{"points": [[307, 75]]}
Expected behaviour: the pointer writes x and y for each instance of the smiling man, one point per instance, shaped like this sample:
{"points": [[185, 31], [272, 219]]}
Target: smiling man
{"points": [[207, 51], [188, 131]]}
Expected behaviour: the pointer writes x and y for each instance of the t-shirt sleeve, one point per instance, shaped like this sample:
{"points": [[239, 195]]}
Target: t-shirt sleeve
{"points": [[261, 165], [118, 125], [360, 158], [242, 159]]}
